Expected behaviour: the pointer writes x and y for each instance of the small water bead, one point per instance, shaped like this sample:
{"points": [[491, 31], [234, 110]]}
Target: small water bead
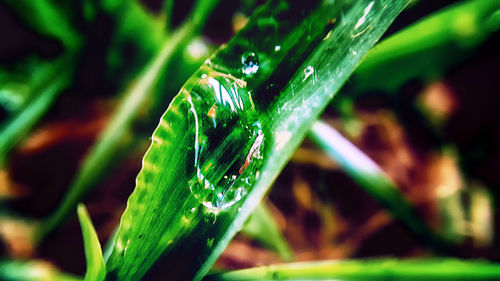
{"points": [[308, 71], [226, 138], [210, 217], [189, 215], [250, 63]]}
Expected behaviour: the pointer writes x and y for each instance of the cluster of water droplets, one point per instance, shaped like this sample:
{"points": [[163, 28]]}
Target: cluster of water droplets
{"points": [[225, 136]]}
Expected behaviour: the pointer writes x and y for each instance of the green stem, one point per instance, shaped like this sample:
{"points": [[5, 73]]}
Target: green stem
{"points": [[374, 270]]}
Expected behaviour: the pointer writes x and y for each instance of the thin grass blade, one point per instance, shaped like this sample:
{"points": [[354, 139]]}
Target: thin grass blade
{"points": [[96, 268], [262, 227], [374, 181], [46, 90], [110, 142], [373, 270]]}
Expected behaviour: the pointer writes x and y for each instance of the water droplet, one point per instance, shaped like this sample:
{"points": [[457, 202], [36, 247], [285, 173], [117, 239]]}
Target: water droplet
{"points": [[226, 139], [308, 71], [250, 63], [210, 242], [210, 217], [189, 214], [362, 20]]}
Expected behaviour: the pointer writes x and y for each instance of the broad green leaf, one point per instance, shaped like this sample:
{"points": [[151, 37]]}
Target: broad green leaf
{"points": [[96, 268], [375, 182], [33, 270], [372, 270], [304, 54], [262, 227]]}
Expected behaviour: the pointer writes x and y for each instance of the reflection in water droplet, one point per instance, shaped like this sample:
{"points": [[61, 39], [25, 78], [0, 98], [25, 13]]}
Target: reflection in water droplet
{"points": [[250, 63], [362, 20], [227, 139], [210, 217]]}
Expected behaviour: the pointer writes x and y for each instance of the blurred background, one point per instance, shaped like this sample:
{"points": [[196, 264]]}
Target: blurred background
{"points": [[423, 107]]}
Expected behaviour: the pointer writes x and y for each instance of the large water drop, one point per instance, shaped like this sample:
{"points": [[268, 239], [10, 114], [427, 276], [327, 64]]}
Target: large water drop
{"points": [[226, 137], [250, 63]]}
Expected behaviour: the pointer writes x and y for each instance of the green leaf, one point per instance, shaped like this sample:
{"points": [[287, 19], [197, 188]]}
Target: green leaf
{"points": [[96, 268], [33, 270], [110, 142], [427, 48], [373, 270], [262, 227], [305, 53]]}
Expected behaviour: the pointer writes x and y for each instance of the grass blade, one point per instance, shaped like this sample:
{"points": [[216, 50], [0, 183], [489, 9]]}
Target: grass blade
{"points": [[108, 144], [96, 268], [262, 227], [163, 218], [46, 91], [447, 36], [374, 181], [332, 62], [373, 270]]}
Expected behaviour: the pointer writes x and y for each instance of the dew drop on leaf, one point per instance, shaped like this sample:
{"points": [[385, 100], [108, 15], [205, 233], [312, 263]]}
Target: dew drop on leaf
{"points": [[226, 139], [250, 63], [210, 217]]}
